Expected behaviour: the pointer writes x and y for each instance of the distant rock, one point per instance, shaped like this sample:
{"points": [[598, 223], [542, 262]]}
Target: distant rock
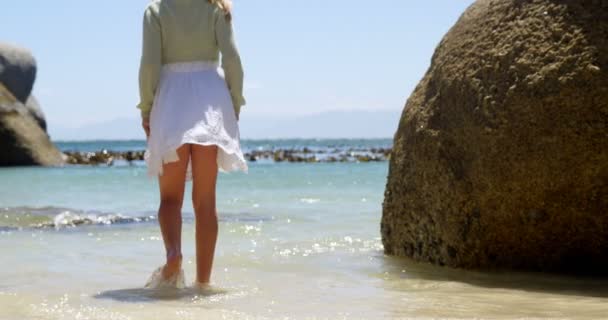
{"points": [[501, 156], [23, 137], [297, 155]]}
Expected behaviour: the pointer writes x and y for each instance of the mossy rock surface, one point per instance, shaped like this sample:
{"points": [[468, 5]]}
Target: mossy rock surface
{"points": [[501, 156]]}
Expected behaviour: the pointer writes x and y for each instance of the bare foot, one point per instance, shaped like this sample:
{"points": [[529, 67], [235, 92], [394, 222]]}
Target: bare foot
{"points": [[201, 285], [173, 266]]}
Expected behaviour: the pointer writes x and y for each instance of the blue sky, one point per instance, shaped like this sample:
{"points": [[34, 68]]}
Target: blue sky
{"points": [[301, 57]]}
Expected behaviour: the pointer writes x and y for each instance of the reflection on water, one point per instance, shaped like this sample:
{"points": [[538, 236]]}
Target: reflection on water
{"points": [[400, 268], [296, 241], [352, 280], [430, 291]]}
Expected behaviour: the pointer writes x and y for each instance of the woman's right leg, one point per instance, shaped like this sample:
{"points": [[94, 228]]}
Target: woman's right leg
{"points": [[204, 174], [172, 186]]}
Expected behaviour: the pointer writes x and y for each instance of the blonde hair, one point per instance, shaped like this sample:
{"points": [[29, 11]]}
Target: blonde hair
{"points": [[224, 5]]}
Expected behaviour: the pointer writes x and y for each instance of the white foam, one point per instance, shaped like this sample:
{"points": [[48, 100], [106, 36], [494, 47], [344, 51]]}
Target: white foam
{"points": [[156, 281]]}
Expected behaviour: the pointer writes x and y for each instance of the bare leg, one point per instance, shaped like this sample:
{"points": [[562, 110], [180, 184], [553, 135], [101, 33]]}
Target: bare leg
{"points": [[172, 186], [204, 174]]}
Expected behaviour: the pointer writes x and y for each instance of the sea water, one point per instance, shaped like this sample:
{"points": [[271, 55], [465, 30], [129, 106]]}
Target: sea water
{"points": [[297, 241]]}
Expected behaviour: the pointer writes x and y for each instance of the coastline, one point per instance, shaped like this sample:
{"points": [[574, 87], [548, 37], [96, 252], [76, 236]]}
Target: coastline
{"points": [[110, 152]]}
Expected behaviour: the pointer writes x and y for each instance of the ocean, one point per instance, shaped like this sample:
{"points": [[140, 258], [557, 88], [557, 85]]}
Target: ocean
{"points": [[297, 241]]}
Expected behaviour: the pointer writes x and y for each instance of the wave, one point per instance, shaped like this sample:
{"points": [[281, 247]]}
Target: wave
{"points": [[18, 218], [57, 218]]}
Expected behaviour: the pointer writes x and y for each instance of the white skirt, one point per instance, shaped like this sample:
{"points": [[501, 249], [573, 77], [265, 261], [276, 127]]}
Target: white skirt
{"points": [[193, 105]]}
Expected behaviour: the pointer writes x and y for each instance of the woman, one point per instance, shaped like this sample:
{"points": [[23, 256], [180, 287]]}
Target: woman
{"points": [[190, 115]]}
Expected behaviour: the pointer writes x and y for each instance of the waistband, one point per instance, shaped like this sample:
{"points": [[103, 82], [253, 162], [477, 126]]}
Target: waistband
{"points": [[191, 66]]}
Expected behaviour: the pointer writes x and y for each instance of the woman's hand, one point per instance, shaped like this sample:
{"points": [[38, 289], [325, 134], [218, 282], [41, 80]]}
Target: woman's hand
{"points": [[145, 123]]}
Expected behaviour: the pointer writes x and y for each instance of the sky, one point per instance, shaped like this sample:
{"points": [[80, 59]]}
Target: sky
{"points": [[301, 57]]}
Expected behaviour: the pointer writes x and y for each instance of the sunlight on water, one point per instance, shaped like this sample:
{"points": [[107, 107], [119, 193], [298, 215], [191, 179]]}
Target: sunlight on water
{"points": [[297, 241]]}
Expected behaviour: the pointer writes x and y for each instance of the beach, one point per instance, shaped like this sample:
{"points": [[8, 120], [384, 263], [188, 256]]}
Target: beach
{"points": [[461, 172], [297, 241]]}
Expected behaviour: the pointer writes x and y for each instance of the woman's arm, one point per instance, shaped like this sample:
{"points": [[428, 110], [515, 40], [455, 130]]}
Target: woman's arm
{"points": [[151, 60], [231, 60]]}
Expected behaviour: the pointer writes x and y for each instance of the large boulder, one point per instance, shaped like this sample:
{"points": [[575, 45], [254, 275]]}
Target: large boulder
{"points": [[23, 137], [22, 140], [501, 156], [33, 108], [17, 70]]}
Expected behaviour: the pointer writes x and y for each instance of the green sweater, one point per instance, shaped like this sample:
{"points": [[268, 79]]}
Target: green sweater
{"points": [[185, 31]]}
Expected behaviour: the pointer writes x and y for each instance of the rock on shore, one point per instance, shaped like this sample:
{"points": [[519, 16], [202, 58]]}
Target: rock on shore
{"points": [[23, 136], [501, 156], [17, 71], [291, 155]]}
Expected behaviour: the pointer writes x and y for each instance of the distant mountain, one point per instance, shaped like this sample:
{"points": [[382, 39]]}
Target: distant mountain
{"points": [[117, 129], [333, 124]]}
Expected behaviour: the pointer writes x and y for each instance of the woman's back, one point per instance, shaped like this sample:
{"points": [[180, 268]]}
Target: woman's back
{"points": [[177, 31], [187, 29]]}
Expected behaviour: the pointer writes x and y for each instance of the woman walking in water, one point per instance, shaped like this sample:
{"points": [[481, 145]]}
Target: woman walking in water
{"points": [[190, 115]]}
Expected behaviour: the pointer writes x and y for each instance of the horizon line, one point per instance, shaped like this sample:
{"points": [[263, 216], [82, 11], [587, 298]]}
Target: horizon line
{"points": [[246, 139]]}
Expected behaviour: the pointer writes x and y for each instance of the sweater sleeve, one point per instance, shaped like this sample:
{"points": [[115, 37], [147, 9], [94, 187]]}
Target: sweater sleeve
{"points": [[231, 60], [151, 61]]}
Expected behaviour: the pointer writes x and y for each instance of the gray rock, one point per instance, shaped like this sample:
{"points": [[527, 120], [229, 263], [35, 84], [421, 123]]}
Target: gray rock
{"points": [[23, 137], [501, 156], [22, 140], [35, 111], [8, 102], [17, 70]]}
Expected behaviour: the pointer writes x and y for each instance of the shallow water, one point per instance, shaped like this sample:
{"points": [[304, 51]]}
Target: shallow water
{"points": [[297, 241]]}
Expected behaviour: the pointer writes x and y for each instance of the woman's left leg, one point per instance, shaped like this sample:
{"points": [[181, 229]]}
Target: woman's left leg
{"points": [[204, 174], [172, 185]]}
